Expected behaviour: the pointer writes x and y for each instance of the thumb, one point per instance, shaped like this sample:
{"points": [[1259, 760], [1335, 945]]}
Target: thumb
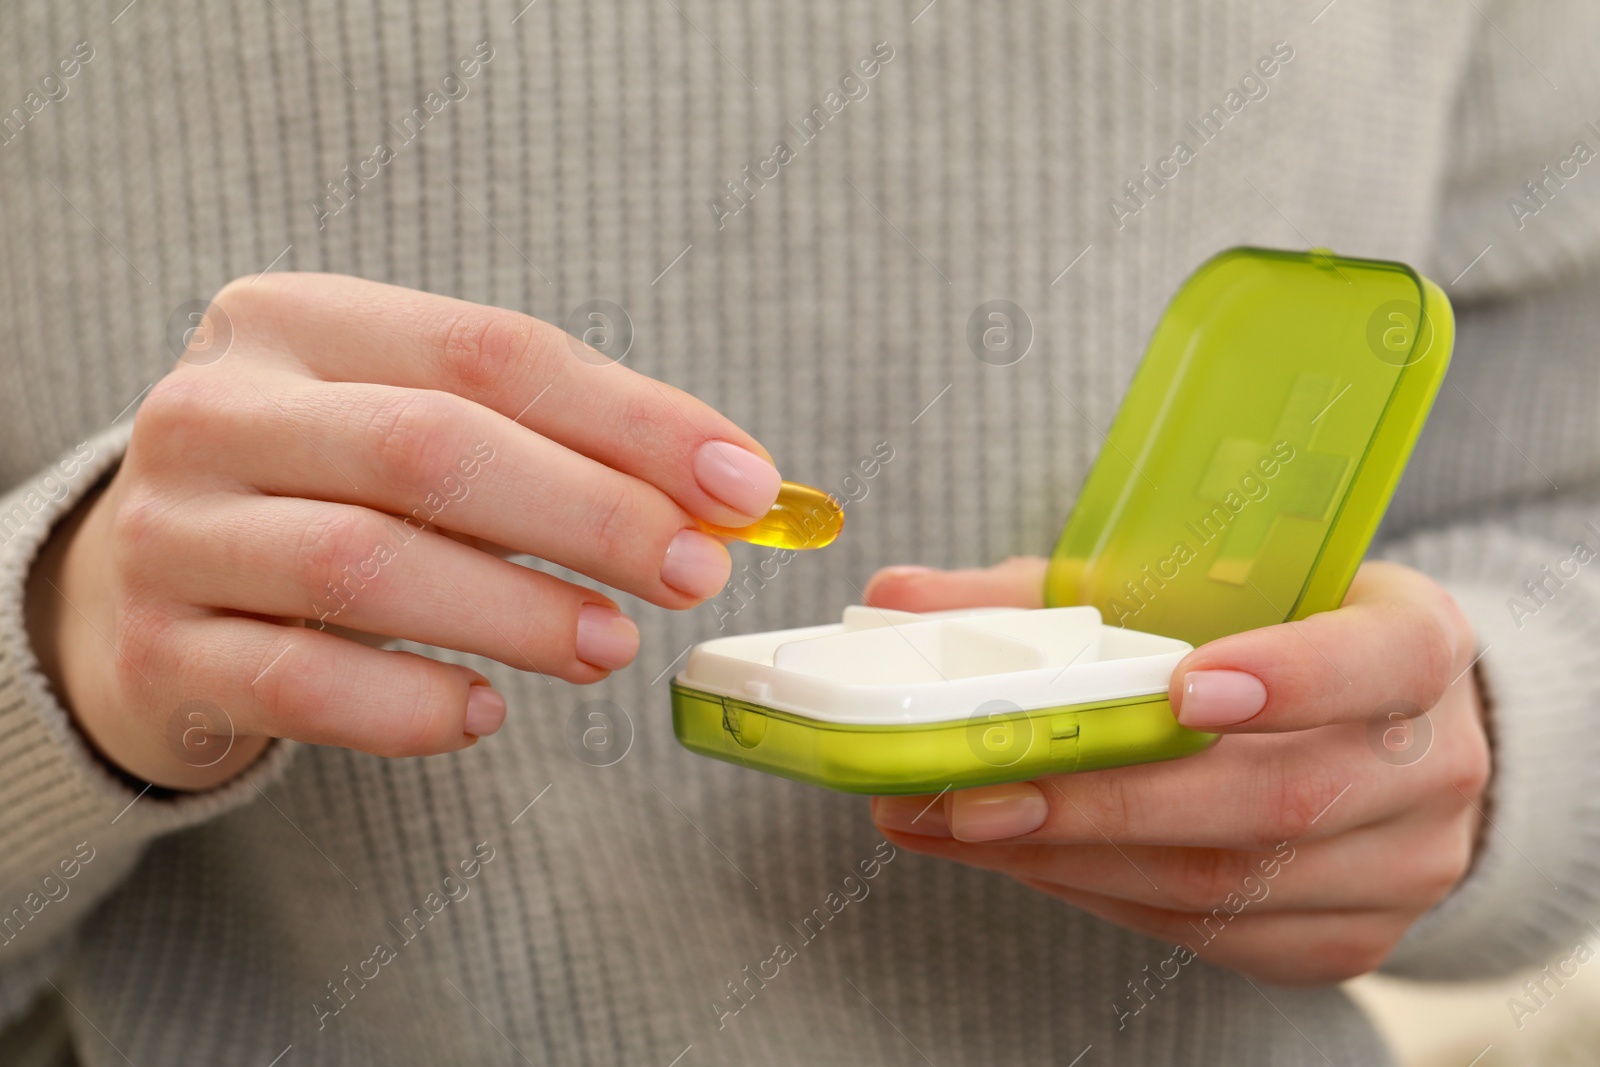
{"points": [[1016, 583], [1399, 640]]}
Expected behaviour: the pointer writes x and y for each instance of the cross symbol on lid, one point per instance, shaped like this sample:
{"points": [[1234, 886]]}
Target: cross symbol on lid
{"points": [[1305, 485]]}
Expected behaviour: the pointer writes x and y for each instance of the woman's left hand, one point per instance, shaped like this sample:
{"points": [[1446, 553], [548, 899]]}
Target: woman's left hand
{"points": [[1299, 848]]}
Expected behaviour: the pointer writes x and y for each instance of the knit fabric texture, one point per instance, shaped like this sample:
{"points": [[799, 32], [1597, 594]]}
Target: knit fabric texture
{"points": [[820, 296]]}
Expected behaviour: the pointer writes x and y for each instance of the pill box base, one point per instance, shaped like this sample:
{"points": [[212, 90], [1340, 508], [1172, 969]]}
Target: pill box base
{"points": [[902, 759]]}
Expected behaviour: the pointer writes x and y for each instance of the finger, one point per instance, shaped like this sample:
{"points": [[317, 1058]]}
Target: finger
{"points": [[1285, 948], [1413, 860], [1249, 792], [433, 458], [299, 683], [352, 330], [1017, 582], [1398, 640], [332, 563]]}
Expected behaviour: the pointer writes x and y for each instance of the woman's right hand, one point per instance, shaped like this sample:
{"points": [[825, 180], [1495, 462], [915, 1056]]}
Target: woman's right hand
{"points": [[357, 458]]}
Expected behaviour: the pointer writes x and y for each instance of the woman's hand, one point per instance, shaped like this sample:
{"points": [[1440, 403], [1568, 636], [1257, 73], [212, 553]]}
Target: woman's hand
{"points": [[1299, 848], [358, 457]]}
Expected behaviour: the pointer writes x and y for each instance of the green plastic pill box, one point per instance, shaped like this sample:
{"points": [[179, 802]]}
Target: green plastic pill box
{"points": [[1240, 485]]}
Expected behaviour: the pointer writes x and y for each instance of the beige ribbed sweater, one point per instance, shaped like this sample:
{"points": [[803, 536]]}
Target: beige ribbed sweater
{"points": [[996, 151]]}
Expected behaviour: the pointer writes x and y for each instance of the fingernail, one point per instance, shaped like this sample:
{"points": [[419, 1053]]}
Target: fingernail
{"points": [[902, 570], [606, 637], [911, 815], [737, 477], [696, 564], [890, 574], [996, 812], [1220, 698], [486, 710]]}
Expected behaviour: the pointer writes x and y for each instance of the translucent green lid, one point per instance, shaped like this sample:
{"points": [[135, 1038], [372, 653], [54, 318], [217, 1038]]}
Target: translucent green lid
{"points": [[1258, 445]]}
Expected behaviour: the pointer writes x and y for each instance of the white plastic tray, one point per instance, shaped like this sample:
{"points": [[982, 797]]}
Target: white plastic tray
{"points": [[896, 667]]}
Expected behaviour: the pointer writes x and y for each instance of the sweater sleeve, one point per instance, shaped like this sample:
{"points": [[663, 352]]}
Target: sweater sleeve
{"points": [[1501, 502], [1530, 583], [75, 825]]}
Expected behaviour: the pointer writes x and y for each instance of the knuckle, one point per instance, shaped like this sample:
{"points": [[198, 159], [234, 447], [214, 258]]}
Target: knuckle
{"points": [[290, 699], [236, 288], [1460, 632], [637, 423], [144, 647], [1105, 805], [1204, 877], [1295, 802], [538, 650], [332, 543], [250, 292], [1436, 658], [136, 524], [614, 520], [1473, 765], [408, 432], [246, 296], [1460, 766], [179, 411], [482, 347], [427, 722], [262, 306], [1445, 865]]}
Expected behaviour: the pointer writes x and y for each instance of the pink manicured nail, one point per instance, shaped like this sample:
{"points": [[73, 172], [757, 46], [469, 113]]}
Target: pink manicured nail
{"points": [[996, 812], [737, 477], [486, 710], [606, 637], [1220, 698], [899, 572], [696, 564], [902, 570], [912, 815]]}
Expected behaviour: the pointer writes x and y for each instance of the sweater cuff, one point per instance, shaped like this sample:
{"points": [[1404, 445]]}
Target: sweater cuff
{"points": [[62, 800], [1535, 881]]}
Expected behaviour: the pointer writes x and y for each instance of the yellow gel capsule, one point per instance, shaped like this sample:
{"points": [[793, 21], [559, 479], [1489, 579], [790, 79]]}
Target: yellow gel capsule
{"points": [[802, 517]]}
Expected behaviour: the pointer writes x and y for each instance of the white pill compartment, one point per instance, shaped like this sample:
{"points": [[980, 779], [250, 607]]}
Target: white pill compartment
{"points": [[879, 667]]}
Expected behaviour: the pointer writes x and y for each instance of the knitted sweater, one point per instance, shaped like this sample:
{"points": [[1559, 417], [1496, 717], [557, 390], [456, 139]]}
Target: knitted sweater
{"points": [[1076, 159]]}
